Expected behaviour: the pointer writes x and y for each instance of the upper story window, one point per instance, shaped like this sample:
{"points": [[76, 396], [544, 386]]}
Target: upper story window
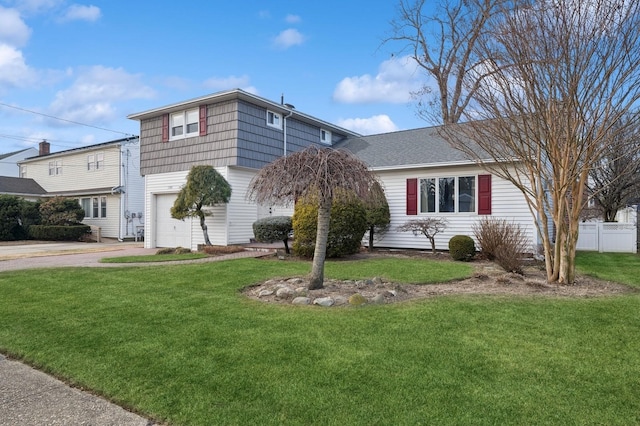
{"points": [[274, 119], [55, 168], [184, 124], [23, 171], [448, 195], [325, 136], [95, 161]]}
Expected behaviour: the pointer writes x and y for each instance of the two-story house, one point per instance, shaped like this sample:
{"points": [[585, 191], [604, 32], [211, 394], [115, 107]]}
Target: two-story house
{"points": [[237, 133], [104, 178], [9, 161]]}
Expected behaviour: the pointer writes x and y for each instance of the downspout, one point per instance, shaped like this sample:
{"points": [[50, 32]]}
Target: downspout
{"points": [[284, 123], [120, 239]]}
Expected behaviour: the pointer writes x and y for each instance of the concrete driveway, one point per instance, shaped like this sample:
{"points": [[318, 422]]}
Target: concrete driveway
{"points": [[50, 255]]}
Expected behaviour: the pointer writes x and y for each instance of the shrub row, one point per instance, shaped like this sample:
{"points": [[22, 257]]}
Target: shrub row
{"points": [[59, 233]]}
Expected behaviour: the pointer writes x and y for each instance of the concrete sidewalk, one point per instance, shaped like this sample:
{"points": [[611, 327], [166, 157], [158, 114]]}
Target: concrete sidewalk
{"points": [[30, 397]]}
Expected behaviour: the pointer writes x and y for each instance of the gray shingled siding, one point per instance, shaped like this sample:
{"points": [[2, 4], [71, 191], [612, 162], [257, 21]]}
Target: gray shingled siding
{"points": [[259, 144], [237, 135], [217, 148]]}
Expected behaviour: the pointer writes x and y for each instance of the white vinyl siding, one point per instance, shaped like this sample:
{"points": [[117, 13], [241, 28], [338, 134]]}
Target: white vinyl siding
{"points": [[507, 203], [75, 175]]}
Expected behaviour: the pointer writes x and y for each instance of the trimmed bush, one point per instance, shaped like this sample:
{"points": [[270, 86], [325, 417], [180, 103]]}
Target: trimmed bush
{"points": [[59, 233], [10, 218], [462, 247], [346, 229], [273, 228], [61, 211]]}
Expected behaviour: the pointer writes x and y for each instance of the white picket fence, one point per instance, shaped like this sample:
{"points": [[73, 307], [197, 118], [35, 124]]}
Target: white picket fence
{"points": [[608, 237]]}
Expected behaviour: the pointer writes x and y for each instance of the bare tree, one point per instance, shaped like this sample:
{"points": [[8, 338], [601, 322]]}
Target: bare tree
{"points": [[429, 227], [320, 171], [614, 180], [204, 187], [571, 74], [443, 44]]}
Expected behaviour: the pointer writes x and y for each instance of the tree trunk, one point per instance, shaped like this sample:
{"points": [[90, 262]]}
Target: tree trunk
{"points": [[203, 225], [320, 253]]}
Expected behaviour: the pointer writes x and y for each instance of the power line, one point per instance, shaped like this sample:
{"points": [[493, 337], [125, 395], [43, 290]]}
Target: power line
{"points": [[64, 119]]}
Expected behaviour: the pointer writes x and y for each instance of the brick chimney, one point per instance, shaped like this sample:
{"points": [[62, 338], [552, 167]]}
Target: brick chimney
{"points": [[44, 148]]}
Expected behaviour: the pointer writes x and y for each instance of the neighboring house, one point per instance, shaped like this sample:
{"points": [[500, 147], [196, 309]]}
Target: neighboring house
{"points": [[27, 189], [423, 176], [237, 133], [104, 178], [9, 162]]}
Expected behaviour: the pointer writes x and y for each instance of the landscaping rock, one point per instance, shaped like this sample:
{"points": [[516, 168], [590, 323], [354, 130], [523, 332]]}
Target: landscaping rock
{"points": [[301, 301], [285, 292], [377, 280], [265, 293], [378, 299], [357, 300], [324, 301]]}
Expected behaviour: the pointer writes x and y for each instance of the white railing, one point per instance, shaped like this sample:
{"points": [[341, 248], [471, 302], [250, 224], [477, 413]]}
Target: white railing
{"points": [[607, 237]]}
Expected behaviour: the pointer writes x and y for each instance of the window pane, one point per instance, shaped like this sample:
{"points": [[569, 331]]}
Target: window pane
{"points": [[427, 195], [95, 207], [90, 162], [99, 161], [86, 206], [103, 206], [176, 131], [192, 128], [447, 187], [58, 167], [467, 194]]}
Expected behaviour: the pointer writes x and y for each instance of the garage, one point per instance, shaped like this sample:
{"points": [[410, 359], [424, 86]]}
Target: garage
{"points": [[170, 232]]}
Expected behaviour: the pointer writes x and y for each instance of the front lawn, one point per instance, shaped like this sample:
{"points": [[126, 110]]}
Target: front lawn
{"points": [[179, 343]]}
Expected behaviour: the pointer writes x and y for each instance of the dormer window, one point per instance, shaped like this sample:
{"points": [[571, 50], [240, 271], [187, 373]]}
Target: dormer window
{"points": [[274, 119], [325, 136], [184, 124]]}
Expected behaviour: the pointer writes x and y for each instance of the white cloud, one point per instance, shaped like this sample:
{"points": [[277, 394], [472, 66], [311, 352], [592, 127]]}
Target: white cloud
{"points": [[293, 19], [394, 83], [77, 12], [288, 38], [36, 6], [13, 30], [14, 72], [92, 96], [369, 126]]}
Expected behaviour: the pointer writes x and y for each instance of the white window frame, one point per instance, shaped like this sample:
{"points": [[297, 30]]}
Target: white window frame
{"points": [[94, 207], [23, 171], [274, 119], [55, 168], [91, 162], [184, 120], [456, 195], [99, 161], [325, 136]]}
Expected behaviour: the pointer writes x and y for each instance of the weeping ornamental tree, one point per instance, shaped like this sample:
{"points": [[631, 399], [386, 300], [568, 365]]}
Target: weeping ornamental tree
{"points": [[323, 171], [564, 74], [205, 187]]}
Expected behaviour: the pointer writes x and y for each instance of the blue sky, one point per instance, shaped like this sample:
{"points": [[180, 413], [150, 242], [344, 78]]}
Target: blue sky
{"points": [[95, 63]]}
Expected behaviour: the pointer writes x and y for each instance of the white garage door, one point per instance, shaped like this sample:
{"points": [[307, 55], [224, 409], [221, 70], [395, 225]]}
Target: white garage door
{"points": [[170, 232]]}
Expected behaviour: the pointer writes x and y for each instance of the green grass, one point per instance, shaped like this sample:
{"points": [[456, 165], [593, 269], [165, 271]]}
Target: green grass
{"points": [[153, 258], [181, 344], [617, 267]]}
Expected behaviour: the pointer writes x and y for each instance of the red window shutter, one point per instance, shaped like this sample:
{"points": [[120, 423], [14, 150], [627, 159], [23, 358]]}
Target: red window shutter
{"points": [[412, 196], [165, 127], [484, 194], [203, 120]]}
